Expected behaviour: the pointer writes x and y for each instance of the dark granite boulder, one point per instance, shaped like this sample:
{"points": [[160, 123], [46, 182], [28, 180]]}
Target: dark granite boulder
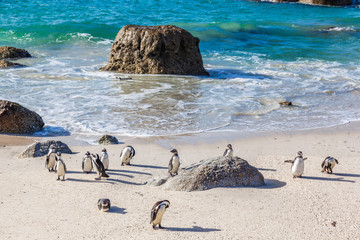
{"points": [[41, 149], [155, 50], [17, 119], [327, 2], [8, 64], [211, 173], [108, 139], [12, 52]]}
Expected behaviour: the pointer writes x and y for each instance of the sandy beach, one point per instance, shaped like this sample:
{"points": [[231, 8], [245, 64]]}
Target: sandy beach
{"points": [[36, 206]]}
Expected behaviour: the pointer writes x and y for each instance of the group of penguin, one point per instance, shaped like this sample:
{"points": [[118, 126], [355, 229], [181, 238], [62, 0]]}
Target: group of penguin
{"points": [[297, 165], [55, 163]]}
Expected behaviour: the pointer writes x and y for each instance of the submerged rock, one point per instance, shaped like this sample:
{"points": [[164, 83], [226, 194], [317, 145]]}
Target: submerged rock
{"points": [[17, 119], [155, 50], [108, 139], [211, 173], [8, 64], [41, 149], [12, 52]]}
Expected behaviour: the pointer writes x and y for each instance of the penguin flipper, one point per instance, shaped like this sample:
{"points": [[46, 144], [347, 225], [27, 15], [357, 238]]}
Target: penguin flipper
{"points": [[225, 152], [153, 215], [47, 160], [323, 163], [337, 162], [82, 165], [289, 161], [170, 165], [64, 167]]}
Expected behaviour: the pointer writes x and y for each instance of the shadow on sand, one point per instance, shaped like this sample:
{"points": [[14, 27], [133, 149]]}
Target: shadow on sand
{"points": [[87, 180], [115, 209], [272, 183], [148, 166], [127, 171], [120, 174], [193, 229], [267, 169], [78, 172], [125, 182], [346, 175], [328, 179]]}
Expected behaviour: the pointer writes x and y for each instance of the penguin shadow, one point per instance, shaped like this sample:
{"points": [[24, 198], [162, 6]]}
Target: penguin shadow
{"points": [[124, 182], [148, 166], [127, 171], [346, 175], [86, 180], [340, 179], [120, 174], [273, 183], [192, 229], [78, 172], [267, 169], [115, 209]]}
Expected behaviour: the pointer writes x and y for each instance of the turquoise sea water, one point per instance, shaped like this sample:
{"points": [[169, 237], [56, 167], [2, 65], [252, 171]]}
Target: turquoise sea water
{"points": [[257, 54]]}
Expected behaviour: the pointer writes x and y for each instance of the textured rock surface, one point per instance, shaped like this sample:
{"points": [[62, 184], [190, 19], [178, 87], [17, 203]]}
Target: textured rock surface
{"points": [[155, 50], [8, 64], [12, 52], [41, 149], [327, 2], [108, 139], [211, 173], [17, 119]]}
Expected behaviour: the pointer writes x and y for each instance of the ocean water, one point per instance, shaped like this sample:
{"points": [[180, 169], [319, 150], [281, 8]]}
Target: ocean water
{"points": [[257, 54]]}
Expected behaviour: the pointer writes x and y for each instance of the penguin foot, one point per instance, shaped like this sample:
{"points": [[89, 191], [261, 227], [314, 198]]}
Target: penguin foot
{"points": [[57, 179], [154, 227], [122, 164], [98, 178], [161, 227]]}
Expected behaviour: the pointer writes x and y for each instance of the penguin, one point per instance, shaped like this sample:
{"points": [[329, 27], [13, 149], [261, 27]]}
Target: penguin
{"points": [[328, 164], [87, 164], [50, 159], [60, 167], [157, 213], [104, 204], [229, 152], [174, 163], [105, 158], [126, 155], [99, 166], [297, 166]]}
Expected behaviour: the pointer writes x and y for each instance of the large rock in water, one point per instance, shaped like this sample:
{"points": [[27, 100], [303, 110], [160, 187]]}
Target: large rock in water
{"points": [[155, 50], [108, 139], [12, 52], [327, 2], [41, 149], [17, 119], [8, 64], [211, 173]]}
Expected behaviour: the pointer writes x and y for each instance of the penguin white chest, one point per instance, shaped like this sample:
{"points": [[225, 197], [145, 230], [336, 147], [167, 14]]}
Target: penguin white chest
{"points": [[125, 157], [159, 215], [60, 169], [105, 160], [229, 153], [87, 164], [298, 167], [52, 160], [175, 164]]}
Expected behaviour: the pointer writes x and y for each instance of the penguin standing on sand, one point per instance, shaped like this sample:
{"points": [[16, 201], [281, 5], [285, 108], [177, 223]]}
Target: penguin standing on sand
{"points": [[328, 164], [174, 163], [87, 164], [297, 167], [99, 166], [105, 158], [229, 152], [104, 204], [60, 166], [126, 155], [157, 212], [50, 159]]}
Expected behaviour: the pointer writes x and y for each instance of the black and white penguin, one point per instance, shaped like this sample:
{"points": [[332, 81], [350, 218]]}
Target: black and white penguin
{"points": [[328, 164], [174, 163], [157, 212], [87, 164], [50, 158], [99, 166], [126, 155], [60, 166], [229, 152], [297, 166], [105, 158], [104, 204]]}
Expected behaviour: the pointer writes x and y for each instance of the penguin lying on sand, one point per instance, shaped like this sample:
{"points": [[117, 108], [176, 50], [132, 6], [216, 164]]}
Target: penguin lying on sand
{"points": [[105, 158], [126, 155], [104, 204], [174, 163], [297, 166], [60, 167], [328, 164], [228, 151], [87, 164], [157, 212], [99, 166], [50, 159]]}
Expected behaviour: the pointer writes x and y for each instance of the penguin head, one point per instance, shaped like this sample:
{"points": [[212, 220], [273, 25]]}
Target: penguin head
{"points": [[52, 146], [299, 153], [229, 146], [174, 151], [104, 150], [167, 203], [58, 154], [87, 153]]}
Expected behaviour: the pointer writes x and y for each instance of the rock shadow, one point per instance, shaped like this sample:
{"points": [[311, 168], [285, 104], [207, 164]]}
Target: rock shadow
{"points": [[115, 209], [272, 183], [148, 166], [341, 179], [128, 171], [192, 229]]}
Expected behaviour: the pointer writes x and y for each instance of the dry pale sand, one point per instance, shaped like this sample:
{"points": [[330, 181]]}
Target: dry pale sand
{"points": [[36, 206]]}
